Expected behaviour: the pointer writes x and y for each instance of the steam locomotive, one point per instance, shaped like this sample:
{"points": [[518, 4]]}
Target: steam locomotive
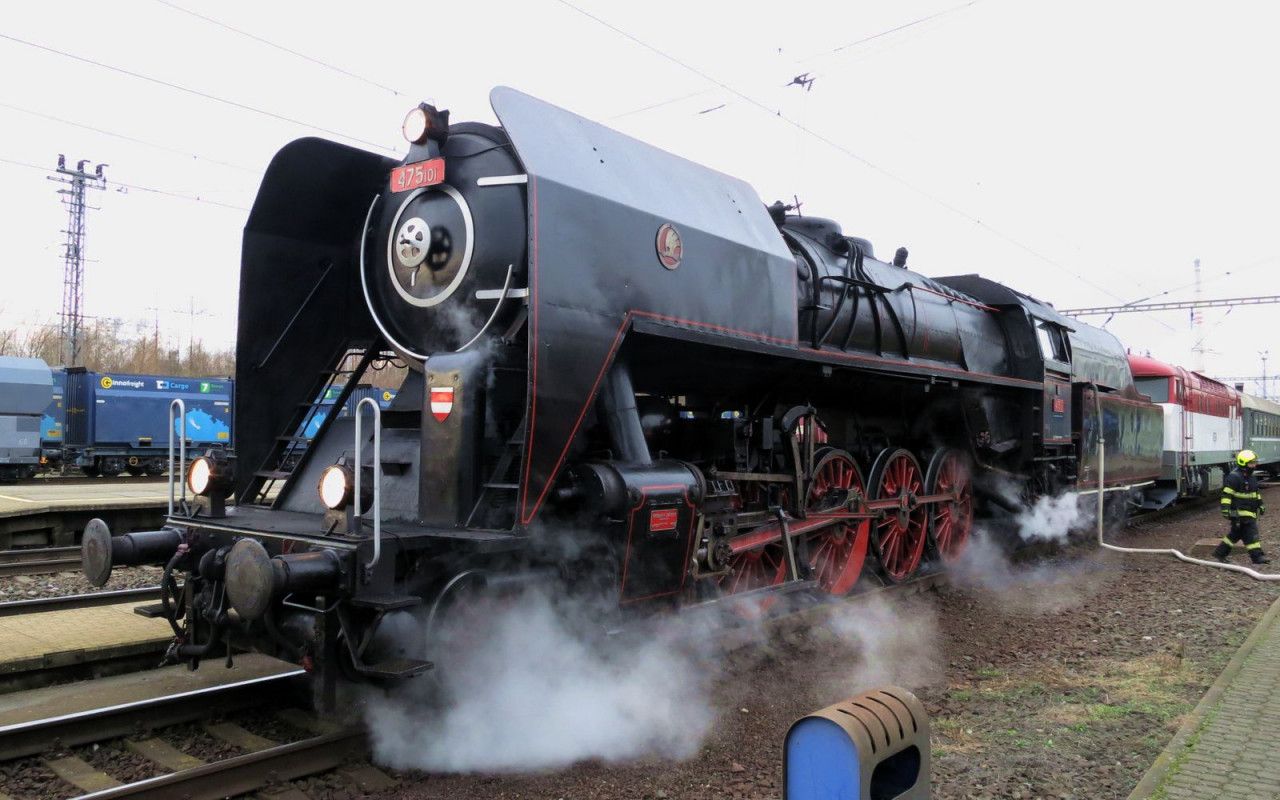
{"points": [[627, 373]]}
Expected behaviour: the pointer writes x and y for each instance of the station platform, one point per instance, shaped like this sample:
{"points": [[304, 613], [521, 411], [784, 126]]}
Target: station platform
{"points": [[76, 641], [51, 515], [1223, 750]]}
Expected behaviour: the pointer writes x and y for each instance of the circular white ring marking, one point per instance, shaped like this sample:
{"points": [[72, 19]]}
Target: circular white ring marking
{"points": [[412, 357], [427, 302]]}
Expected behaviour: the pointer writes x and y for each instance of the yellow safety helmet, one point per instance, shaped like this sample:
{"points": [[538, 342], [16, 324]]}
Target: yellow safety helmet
{"points": [[1246, 457]]}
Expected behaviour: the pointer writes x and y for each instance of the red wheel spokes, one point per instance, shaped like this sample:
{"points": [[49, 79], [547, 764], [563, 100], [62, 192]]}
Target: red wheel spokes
{"points": [[952, 520], [755, 569], [901, 531], [836, 552]]}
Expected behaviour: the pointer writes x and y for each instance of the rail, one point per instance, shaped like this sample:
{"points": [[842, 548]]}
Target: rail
{"points": [[245, 773], [38, 561], [82, 727], [181, 473], [74, 602], [377, 477]]}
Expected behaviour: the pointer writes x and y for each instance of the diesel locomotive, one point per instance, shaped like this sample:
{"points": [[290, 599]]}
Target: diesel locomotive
{"points": [[626, 372]]}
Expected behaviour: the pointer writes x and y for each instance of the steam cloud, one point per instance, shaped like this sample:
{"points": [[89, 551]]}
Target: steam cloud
{"points": [[1051, 519], [1032, 588], [528, 686], [532, 683], [895, 643]]}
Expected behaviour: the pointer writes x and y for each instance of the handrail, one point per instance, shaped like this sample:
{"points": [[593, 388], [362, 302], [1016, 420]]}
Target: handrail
{"points": [[377, 476], [181, 473]]}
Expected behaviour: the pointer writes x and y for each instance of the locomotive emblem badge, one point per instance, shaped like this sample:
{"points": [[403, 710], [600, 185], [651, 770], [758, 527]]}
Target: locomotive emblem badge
{"points": [[670, 248], [441, 402]]}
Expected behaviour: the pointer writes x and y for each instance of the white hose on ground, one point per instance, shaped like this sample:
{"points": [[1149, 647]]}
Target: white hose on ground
{"points": [[1102, 460]]}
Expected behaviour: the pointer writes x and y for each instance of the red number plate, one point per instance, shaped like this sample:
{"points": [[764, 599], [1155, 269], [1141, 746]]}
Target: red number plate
{"points": [[662, 520], [414, 176]]}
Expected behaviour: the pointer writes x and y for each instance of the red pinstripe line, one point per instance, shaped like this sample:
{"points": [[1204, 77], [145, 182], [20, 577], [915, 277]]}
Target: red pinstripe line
{"points": [[617, 339], [533, 345]]}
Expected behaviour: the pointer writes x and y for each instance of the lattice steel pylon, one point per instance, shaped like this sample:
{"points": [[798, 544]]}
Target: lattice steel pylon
{"points": [[72, 317]]}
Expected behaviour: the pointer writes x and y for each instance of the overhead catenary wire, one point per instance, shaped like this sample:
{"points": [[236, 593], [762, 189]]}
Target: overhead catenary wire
{"points": [[904, 26], [167, 193], [137, 187], [777, 113], [195, 92], [127, 138], [841, 48], [282, 48]]}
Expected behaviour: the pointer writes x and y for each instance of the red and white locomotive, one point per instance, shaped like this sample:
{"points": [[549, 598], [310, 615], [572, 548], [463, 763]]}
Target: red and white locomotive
{"points": [[1203, 428]]}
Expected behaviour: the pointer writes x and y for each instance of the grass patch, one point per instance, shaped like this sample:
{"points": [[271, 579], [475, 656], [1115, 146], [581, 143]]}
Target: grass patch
{"points": [[954, 736], [1107, 693]]}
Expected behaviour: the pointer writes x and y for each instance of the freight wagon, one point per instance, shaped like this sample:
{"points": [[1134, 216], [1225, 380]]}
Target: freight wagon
{"points": [[24, 390], [114, 422]]}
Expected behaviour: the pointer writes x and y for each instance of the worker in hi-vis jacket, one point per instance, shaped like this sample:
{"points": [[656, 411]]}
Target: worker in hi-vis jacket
{"points": [[1242, 505]]}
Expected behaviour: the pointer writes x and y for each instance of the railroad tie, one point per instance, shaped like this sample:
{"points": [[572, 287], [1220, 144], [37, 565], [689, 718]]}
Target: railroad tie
{"points": [[233, 734], [81, 774], [304, 721], [283, 793], [164, 754], [368, 778]]}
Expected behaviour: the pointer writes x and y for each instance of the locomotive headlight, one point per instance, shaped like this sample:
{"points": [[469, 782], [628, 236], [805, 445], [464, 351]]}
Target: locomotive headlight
{"points": [[337, 485], [426, 122], [199, 475], [415, 125], [210, 474]]}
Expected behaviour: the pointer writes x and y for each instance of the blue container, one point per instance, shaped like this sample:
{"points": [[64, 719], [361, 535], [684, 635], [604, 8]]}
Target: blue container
{"points": [[131, 412], [312, 426]]}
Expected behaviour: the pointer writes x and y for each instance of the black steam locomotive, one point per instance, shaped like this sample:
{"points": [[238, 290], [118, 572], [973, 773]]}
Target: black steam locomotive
{"points": [[625, 371]]}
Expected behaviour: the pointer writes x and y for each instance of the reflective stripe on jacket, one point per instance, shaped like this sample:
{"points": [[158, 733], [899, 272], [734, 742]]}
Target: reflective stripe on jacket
{"points": [[1240, 495]]}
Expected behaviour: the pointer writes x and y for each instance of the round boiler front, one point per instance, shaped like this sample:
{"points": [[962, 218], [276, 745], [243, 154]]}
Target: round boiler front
{"points": [[437, 257]]}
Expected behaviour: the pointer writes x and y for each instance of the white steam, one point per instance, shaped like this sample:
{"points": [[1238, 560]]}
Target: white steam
{"points": [[894, 642], [529, 685], [1051, 519]]}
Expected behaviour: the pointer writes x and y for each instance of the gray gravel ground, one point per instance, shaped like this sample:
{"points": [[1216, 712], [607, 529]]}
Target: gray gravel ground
{"points": [[60, 584]]}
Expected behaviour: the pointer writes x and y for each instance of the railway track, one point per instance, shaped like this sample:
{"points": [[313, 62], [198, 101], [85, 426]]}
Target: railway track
{"points": [[38, 561], [138, 726], [72, 602]]}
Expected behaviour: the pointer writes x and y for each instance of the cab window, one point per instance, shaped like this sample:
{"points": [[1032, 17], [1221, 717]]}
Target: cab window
{"points": [[1155, 388], [1051, 344]]}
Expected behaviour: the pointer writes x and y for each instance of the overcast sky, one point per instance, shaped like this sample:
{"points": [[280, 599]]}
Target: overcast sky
{"points": [[1084, 152]]}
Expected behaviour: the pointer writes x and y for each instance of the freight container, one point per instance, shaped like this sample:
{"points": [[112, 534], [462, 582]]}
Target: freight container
{"points": [[120, 422]]}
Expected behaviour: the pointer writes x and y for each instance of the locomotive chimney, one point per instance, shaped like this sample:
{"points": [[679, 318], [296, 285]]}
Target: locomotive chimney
{"points": [[900, 258]]}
